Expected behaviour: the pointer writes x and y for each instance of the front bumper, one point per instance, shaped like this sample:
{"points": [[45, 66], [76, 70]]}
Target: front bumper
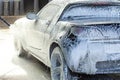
{"points": [[95, 57]]}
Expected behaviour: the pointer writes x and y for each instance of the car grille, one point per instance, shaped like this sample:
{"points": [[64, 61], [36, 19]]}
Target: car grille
{"points": [[108, 64]]}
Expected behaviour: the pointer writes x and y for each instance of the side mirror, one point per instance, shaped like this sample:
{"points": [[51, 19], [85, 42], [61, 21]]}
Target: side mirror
{"points": [[32, 16]]}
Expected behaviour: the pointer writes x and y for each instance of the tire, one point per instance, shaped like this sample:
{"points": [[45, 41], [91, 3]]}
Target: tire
{"points": [[59, 68], [19, 49]]}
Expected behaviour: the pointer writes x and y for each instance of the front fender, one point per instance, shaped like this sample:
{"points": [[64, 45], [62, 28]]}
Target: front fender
{"points": [[75, 53], [61, 39]]}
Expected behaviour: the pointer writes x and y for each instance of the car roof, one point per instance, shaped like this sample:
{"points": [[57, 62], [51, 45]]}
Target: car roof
{"points": [[61, 2]]}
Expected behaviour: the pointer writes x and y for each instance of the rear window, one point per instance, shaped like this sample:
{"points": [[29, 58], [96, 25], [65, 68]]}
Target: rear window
{"points": [[78, 11]]}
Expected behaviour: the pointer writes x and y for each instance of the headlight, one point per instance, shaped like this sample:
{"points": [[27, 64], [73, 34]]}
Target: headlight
{"points": [[81, 32], [88, 32], [76, 30]]}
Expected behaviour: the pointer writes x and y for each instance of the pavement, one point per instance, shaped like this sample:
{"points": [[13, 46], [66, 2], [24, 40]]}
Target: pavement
{"points": [[14, 68]]}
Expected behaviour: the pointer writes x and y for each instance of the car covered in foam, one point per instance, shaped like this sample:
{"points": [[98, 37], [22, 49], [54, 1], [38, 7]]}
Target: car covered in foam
{"points": [[72, 36]]}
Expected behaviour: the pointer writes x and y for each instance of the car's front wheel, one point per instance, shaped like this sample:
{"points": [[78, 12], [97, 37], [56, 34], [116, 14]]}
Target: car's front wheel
{"points": [[18, 47], [59, 68]]}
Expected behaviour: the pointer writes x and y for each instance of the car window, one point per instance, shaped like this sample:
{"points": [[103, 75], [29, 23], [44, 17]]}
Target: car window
{"points": [[77, 12], [48, 12]]}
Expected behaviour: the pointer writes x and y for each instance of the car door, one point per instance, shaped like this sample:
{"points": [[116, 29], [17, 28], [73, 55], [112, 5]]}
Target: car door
{"points": [[37, 34]]}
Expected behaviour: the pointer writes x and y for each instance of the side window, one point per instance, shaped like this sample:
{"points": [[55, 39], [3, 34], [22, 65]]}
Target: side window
{"points": [[48, 12]]}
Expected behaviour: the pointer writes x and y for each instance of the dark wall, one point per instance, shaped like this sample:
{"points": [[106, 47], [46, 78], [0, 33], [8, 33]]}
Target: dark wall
{"points": [[20, 8], [42, 3], [29, 5]]}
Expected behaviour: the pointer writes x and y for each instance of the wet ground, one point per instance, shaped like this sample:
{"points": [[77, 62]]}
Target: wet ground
{"points": [[15, 68]]}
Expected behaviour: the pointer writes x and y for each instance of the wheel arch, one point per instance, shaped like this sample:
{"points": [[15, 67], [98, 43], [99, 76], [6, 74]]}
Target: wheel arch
{"points": [[52, 46]]}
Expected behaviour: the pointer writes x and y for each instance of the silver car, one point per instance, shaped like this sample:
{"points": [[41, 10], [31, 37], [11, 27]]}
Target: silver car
{"points": [[73, 38]]}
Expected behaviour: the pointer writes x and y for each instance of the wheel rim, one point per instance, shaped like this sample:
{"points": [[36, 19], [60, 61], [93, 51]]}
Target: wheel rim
{"points": [[56, 67], [59, 70]]}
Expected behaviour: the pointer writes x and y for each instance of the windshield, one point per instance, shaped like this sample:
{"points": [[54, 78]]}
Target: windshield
{"points": [[78, 12]]}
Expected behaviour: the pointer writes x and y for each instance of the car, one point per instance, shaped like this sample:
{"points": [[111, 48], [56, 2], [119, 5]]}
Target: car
{"points": [[72, 37]]}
